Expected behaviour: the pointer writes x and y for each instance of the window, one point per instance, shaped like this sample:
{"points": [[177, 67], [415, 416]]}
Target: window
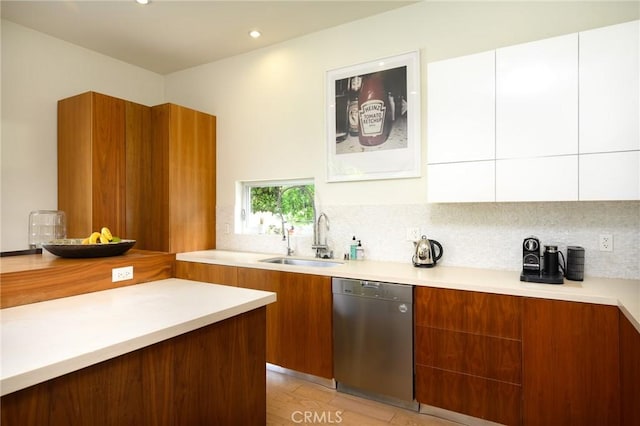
{"points": [[271, 207]]}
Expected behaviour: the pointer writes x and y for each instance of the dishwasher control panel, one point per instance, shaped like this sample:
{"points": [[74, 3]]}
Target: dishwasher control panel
{"points": [[373, 289]]}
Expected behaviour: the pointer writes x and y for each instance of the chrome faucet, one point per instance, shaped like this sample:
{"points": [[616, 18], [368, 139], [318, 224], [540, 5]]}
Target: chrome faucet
{"points": [[322, 249], [320, 244], [290, 251]]}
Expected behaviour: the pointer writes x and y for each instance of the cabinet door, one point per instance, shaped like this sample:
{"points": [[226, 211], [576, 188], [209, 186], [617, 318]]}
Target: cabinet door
{"points": [[208, 273], [472, 181], [91, 163], [192, 180], [537, 179], [461, 109], [260, 279], [571, 363], [629, 372], [470, 312], [610, 176], [306, 319], [537, 98], [609, 88]]}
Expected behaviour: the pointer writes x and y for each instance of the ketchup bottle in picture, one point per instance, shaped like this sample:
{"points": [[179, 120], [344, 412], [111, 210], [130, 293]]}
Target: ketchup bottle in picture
{"points": [[374, 112]]}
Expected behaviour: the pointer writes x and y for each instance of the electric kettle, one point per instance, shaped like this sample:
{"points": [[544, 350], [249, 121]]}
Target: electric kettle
{"points": [[428, 252]]}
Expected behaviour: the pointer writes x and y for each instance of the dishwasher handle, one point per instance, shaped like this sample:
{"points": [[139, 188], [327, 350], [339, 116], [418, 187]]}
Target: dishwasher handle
{"points": [[370, 284]]}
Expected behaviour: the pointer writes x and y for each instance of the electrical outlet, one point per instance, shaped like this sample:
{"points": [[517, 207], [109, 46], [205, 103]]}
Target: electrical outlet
{"points": [[606, 242], [122, 274], [413, 234]]}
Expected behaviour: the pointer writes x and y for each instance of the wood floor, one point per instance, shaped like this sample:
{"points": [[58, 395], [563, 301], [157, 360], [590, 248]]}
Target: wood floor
{"points": [[293, 401]]}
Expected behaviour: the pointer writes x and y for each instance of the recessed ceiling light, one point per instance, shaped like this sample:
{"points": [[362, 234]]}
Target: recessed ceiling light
{"points": [[142, 1], [255, 33]]}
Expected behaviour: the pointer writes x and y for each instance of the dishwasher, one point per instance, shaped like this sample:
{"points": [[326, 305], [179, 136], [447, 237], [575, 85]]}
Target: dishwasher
{"points": [[373, 340]]}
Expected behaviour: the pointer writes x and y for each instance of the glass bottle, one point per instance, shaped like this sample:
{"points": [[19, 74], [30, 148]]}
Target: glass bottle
{"points": [[374, 112], [354, 89]]}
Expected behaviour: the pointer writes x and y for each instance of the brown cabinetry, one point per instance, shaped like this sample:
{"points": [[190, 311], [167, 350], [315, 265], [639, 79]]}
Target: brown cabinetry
{"points": [[208, 273], [629, 372], [571, 363], [214, 375], [299, 333], [469, 353], [148, 173], [179, 203], [91, 163], [299, 323]]}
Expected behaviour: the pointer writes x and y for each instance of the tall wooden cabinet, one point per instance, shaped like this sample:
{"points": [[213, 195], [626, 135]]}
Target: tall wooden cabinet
{"points": [[180, 167], [91, 163], [148, 173]]}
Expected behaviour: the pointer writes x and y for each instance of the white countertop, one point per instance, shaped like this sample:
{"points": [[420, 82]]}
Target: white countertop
{"points": [[606, 291], [44, 340]]}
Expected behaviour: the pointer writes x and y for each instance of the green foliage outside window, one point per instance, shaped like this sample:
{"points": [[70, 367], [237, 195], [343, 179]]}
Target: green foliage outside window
{"points": [[296, 202]]}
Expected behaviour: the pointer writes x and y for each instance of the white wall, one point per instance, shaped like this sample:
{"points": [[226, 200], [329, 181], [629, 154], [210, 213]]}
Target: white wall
{"points": [[37, 71], [271, 125]]}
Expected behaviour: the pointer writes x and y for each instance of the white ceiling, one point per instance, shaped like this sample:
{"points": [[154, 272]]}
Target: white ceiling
{"points": [[166, 36]]}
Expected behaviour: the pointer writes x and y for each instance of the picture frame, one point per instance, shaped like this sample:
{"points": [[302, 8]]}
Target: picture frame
{"points": [[373, 120]]}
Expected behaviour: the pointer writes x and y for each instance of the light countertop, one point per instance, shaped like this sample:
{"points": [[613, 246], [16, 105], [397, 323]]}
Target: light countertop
{"points": [[606, 291], [44, 340]]}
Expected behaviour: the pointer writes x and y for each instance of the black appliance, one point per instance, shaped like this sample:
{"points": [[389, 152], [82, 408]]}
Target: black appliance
{"points": [[531, 254], [575, 263], [545, 268]]}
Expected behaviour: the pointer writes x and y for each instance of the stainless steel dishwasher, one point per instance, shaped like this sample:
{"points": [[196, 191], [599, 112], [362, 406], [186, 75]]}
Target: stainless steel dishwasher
{"points": [[373, 340]]}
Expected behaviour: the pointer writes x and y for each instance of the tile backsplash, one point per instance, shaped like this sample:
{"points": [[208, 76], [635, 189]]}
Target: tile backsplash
{"points": [[481, 235]]}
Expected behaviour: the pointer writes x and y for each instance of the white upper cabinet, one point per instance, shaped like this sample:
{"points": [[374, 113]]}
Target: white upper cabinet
{"points": [[472, 181], [551, 120], [537, 179], [461, 109], [610, 176], [537, 98], [609, 88]]}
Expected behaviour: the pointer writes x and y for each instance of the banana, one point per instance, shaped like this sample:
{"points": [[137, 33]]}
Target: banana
{"points": [[106, 233], [85, 241], [93, 238]]}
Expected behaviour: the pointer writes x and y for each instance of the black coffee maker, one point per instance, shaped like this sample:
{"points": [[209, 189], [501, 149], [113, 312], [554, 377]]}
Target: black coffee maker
{"points": [[545, 268]]}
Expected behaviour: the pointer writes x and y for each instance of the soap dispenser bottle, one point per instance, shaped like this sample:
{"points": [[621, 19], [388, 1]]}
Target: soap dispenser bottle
{"points": [[360, 251], [353, 249]]}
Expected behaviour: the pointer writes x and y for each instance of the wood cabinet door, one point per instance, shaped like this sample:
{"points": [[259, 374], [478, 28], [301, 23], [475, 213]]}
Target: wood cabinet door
{"points": [[208, 273], [571, 363], [108, 174], [468, 311], [91, 163], [261, 279], [192, 180], [469, 353], [306, 324], [629, 372]]}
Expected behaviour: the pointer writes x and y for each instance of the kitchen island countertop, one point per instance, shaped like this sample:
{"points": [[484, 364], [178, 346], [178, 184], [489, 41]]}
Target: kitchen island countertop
{"points": [[606, 291], [48, 339]]}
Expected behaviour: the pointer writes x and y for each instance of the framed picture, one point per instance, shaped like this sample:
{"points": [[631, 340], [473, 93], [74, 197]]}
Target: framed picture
{"points": [[373, 120]]}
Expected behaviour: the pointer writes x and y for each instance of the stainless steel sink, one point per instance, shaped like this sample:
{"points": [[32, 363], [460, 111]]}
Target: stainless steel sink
{"points": [[301, 262]]}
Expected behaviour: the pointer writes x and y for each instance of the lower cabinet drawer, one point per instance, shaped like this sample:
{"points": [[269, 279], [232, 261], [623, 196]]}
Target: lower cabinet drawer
{"points": [[471, 395], [474, 354]]}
